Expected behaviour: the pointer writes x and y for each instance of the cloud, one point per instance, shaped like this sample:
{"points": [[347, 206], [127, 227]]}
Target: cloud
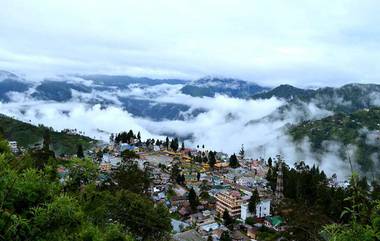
{"points": [[270, 42], [226, 124]]}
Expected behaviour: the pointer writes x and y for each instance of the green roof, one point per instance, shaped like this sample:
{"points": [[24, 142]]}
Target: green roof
{"points": [[275, 220]]}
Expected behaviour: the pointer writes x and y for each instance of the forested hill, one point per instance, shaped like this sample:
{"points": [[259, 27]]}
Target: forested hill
{"points": [[348, 98], [361, 129], [27, 135]]}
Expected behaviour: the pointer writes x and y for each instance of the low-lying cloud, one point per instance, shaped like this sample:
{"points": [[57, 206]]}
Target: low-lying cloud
{"points": [[225, 124]]}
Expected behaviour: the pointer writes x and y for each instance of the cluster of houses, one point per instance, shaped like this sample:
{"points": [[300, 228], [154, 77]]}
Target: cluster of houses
{"points": [[218, 189]]}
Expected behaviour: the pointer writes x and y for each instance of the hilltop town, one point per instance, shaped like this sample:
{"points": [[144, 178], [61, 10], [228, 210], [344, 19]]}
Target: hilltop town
{"points": [[154, 189], [208, 193]]}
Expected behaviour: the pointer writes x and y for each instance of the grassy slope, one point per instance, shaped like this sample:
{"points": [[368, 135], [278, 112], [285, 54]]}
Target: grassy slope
{"points": [[27, 134]]}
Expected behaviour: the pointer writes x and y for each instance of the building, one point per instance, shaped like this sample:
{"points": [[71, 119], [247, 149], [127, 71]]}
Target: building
{"points": [[230, 201], [262, 209], [13, 146], [190, 235], [275, 222]]}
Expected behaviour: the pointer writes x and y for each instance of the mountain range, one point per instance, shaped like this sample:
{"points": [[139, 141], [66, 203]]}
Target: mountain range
{"points": [[321, 114]]}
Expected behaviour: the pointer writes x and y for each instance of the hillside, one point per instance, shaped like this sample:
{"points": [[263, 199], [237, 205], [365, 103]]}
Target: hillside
{"points": [[361, 129], [348, 98], [210, 86], [286, 92], [27, 134]]}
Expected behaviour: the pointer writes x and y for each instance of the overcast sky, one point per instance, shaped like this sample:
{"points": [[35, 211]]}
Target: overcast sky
{"points": [[305, 43]]}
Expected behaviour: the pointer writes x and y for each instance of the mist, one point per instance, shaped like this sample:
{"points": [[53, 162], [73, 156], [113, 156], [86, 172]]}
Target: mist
{"points": [[225, 125]]}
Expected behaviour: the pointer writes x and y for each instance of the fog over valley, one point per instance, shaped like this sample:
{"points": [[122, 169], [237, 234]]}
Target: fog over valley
{"points": [[221, 114]]}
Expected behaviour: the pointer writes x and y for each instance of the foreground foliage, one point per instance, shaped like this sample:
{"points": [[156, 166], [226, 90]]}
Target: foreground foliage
{"points": [[36, 203]]}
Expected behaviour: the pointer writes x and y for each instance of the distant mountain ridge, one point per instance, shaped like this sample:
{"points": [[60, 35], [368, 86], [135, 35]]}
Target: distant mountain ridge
{"points": [[10, 82], [211, 86], [347, 99], [98, 88]]}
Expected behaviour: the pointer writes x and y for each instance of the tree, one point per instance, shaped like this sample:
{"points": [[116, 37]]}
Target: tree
{"points": [[211, 159], [234, 163], [129, 176], [198, 176], [193, 199], [139, 136], [209, 238], [2, 132], [175, 172], [129, 155], [228, 220], [182, 146], [80, 153], [180, 179], [270, 162], [174, 144], [242, 152], [47, 140], [141, 216], [167, 143], [225, 236], [253, 201]]}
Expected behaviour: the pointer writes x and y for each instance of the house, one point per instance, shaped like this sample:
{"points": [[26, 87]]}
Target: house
{"points": [[178, 226], [209, 227], [13, 146], [156, 148], [126, 146], [236, 235], [190, 235], [105, 167], [252, 232]]}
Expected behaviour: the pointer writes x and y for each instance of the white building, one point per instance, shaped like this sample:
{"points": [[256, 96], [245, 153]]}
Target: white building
{"points": [[13, 146], [262, 210]]}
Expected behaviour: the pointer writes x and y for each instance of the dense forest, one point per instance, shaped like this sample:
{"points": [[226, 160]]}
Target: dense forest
{"points": [[315, 206], [37, 202]]}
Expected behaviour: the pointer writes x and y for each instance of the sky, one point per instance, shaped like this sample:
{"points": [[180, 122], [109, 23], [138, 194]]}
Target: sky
{"points": [[304, 43]]}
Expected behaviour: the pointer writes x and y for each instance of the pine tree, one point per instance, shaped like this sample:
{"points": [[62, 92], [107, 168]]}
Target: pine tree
{"points": [[182, 146], [47, 141], [167, 143], [227, 218], [174, 144], [234, 163], [270, 162], [193, 199], [211, 159], [253, 201], [112, 137], [80, 153], [242, 152]]}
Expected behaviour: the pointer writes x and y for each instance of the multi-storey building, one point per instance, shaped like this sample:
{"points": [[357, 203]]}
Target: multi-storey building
{"points": [[230, 201]]}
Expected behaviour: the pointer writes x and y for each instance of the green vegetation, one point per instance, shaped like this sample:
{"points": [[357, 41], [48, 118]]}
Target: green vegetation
{"points": [[234, 162], [311, 202], [27, 135], [364, 213], [39, 203], [360, 129]]}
